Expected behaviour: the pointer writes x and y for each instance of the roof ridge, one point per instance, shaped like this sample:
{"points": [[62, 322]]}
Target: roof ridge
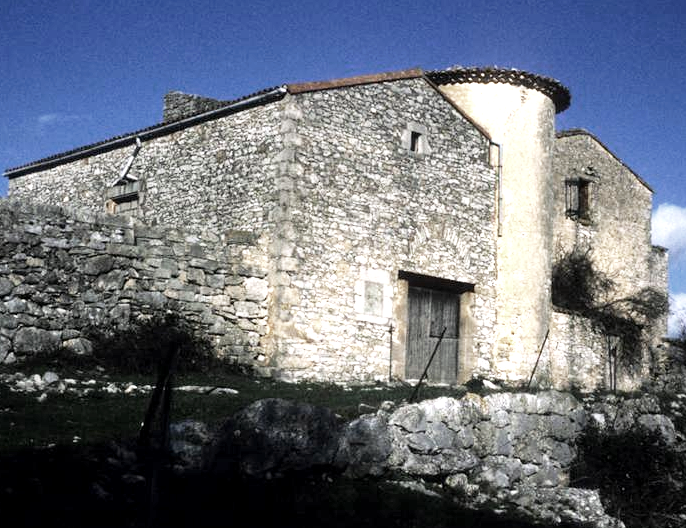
{"points": [[570, 132], [411, 73]]}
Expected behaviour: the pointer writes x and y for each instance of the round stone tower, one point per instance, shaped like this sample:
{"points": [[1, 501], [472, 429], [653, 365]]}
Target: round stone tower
{"points": [[517, 110]]}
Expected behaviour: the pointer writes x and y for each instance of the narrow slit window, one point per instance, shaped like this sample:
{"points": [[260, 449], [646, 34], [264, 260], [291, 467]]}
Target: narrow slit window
{"points": [[578, 199], [415, 138]]}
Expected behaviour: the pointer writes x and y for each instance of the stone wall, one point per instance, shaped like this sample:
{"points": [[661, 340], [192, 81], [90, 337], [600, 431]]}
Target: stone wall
{"points": [[575, 356], [62, 273], [616, 233], [358, 207], [507, 451], [215, 175]]}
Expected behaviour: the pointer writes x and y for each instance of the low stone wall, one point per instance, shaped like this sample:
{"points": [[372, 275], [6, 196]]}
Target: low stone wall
{"points": [[505, 451], [575, 355], [62, 273]]}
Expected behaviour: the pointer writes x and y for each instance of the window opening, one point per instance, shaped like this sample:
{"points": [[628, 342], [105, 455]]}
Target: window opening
{"points": [[578, 199], [414, 141], [583, 198], [123, 198]]}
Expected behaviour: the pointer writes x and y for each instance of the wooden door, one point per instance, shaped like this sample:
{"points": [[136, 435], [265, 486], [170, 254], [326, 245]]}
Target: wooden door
{"points": [[429, 311]]}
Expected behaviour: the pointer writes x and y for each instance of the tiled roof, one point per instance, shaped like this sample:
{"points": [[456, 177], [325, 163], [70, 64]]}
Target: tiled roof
{"points": [[354, 81], [159, 129], [556, 91], [582, 132], [492, 74]]}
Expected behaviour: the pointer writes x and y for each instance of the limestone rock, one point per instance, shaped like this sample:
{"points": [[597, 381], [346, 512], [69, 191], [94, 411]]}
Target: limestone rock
{"points": [[29, 339], [256, 289], [365, 445], [660, 423], [98, 265], [50, 377], [187, 441], [6, 286], [79, 346], [274, 436]]}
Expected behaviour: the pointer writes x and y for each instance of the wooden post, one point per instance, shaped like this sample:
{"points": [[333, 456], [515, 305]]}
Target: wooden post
{"points": [[426, 369]]}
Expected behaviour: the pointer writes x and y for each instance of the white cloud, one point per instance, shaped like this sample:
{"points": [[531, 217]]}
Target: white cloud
{"points": [[46, 119], [669, 230], [677, 313], [55, 118]]}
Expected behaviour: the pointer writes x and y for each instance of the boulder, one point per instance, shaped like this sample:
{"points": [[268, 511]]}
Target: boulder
{"points": [[365, 446], [188, 441], [274, 436], [29, 339]]}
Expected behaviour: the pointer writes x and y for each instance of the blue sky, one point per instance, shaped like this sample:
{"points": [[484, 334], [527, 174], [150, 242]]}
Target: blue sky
{"points": [[76, 72]]}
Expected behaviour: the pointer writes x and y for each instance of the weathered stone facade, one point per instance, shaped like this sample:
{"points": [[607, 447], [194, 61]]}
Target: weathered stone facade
{"points": [[62, 274], [614, 230], [362, 208], [388, 209]]}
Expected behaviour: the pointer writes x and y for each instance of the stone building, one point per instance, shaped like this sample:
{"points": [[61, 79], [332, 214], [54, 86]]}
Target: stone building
{"points": [[398, 213]]}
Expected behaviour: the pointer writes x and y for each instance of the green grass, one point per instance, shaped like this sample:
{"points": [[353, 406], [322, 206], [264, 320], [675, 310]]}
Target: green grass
{"points": [[100, 417]]}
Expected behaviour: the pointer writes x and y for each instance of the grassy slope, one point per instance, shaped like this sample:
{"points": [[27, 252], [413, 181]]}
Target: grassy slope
{"points": [[99, 417]]}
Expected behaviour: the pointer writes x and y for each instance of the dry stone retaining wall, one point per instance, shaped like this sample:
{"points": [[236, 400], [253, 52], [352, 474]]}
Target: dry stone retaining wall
{"points": [[507, 451], [63, 273]]}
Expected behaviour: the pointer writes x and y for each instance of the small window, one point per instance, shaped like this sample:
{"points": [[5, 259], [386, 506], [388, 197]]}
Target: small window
{"points": [[123, 198], [414, 139], [578, 199]]}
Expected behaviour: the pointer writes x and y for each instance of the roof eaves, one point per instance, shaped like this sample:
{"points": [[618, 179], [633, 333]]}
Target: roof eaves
{"points": [[298, 88], [255, 99], [550, 87], [583, 132]]}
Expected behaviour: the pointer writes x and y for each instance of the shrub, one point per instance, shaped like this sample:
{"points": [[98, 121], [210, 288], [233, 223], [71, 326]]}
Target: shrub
{"points": [[578, 286], [640, 478], [141, 347]]}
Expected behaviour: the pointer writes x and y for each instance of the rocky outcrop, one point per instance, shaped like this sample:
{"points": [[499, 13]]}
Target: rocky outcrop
{"points": [[507, 451]]}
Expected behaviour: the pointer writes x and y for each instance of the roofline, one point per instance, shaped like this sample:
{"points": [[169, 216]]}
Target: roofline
{"points": [[583, 132], [459, 109], [316, 86], [552, 88], [154, 131], [412, 73]]}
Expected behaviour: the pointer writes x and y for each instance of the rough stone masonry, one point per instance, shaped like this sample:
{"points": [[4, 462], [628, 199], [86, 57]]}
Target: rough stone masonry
{"points": [[63, 274], [387, 207]]}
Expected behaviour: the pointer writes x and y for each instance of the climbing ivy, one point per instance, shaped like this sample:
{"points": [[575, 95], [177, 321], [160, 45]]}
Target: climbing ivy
{"points": [[578, 286]]}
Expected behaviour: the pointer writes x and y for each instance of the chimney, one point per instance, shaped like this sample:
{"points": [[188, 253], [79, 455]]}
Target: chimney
{"points": [[178, 105]]}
